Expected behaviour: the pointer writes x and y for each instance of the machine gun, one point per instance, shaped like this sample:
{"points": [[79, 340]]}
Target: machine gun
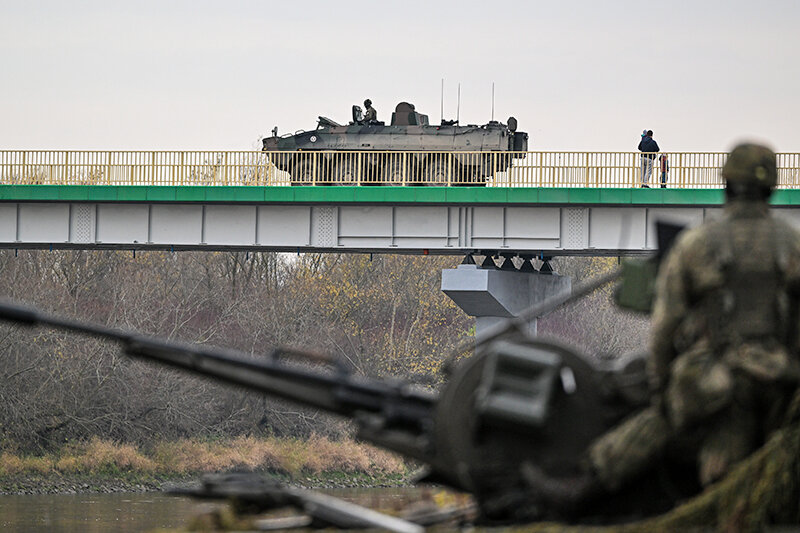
{"points": [[517, 399]]}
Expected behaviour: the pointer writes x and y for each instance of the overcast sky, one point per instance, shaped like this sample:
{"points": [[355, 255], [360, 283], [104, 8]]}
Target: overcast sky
{"points": [[578, 75]]}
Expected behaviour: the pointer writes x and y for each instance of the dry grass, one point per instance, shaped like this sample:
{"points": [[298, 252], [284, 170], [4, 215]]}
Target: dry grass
{"points": [[97, 456], [38, 465], [10, 464], [349, 456], [244, 453], [291, 456]]}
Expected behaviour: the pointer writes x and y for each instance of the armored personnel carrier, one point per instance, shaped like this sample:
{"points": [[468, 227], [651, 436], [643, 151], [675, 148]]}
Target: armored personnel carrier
{"points": [[408, 151]]}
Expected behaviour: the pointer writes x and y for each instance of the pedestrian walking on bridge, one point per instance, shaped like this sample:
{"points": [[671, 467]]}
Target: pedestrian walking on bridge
{"points": [[648, 146]]}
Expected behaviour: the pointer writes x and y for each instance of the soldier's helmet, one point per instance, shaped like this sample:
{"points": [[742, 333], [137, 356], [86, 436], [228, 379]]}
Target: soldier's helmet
{"points": [[367, 102], [751, 165]]}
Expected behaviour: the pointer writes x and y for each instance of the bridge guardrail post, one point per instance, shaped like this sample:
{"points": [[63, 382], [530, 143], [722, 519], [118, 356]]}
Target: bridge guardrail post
{"points": [[450, 169], [586, 161], [108, 168], [152, 168], [313, 168]]}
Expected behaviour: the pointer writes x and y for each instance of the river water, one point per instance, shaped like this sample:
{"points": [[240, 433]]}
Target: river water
{"points": [[90, 513], [130, 512]]}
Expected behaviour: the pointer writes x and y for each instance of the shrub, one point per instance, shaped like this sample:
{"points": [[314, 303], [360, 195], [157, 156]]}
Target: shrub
{"points": [[10, 464]]}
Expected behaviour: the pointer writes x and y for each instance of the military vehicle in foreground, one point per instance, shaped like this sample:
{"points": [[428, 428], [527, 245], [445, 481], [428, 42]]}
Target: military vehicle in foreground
{"points": [[366, 151]]}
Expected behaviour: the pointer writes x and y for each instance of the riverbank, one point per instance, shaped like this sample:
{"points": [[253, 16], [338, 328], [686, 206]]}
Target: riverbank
{"points": [[101, 466], [106, 484]]}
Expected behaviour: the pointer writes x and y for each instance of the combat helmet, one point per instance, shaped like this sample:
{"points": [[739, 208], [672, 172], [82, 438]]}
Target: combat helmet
{"points": [[751, 166]]}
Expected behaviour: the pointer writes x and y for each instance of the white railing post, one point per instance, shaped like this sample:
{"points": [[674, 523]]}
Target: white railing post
{"points": [[313, 168], [586, 162], [449, 169]]}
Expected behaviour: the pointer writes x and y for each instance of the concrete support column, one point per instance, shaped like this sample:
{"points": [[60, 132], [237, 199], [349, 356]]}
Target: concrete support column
{"points": [[491, 295]]}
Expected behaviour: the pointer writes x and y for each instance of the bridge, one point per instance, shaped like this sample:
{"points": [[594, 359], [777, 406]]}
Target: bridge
{"points": [[527, 204]]}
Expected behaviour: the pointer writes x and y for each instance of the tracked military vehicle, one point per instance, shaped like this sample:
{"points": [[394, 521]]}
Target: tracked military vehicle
{"points": [[408, 151]]}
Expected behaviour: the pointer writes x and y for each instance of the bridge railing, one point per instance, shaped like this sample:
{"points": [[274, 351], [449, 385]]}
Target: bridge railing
{"points": [[492, 169]]}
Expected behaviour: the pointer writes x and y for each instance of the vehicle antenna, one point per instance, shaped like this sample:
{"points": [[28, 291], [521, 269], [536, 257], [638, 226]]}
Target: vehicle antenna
{"points": [[458, 109], [442, 103], [492, 100]]}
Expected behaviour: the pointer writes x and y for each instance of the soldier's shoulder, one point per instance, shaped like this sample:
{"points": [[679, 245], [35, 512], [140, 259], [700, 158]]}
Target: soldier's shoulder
{"points": [[697, 238], [785, 227], [696, 246], [787, 237], [687, 250]]}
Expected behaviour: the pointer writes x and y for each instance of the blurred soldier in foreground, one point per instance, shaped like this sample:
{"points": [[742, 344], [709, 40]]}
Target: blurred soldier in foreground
{"points": [[370, 114], [724, 347]]}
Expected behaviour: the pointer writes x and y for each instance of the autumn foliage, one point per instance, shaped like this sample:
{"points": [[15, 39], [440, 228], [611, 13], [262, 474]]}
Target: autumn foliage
{"points": [[381, 315]]}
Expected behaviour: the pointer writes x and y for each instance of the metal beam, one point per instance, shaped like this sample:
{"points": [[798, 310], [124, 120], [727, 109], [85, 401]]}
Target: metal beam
{"points": [[434, 229]]}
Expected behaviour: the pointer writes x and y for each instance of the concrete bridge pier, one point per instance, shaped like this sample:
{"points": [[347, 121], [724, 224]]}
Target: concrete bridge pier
{"points": [[492, 294]]}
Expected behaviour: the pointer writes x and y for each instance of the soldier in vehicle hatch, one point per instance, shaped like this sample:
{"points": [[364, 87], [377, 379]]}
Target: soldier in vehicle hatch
{"points": [[370, 115], [724, 345]]}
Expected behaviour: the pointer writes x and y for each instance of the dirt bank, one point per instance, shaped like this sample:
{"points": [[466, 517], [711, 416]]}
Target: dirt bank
{"points": [[131, 482]]}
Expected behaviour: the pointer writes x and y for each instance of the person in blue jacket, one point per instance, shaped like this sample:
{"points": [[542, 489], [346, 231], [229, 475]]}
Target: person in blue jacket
{"points": [[648, 146]]}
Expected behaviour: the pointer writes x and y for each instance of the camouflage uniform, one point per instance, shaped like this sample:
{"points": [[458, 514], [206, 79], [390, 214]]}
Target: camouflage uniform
{"points": [[724, 341]]}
